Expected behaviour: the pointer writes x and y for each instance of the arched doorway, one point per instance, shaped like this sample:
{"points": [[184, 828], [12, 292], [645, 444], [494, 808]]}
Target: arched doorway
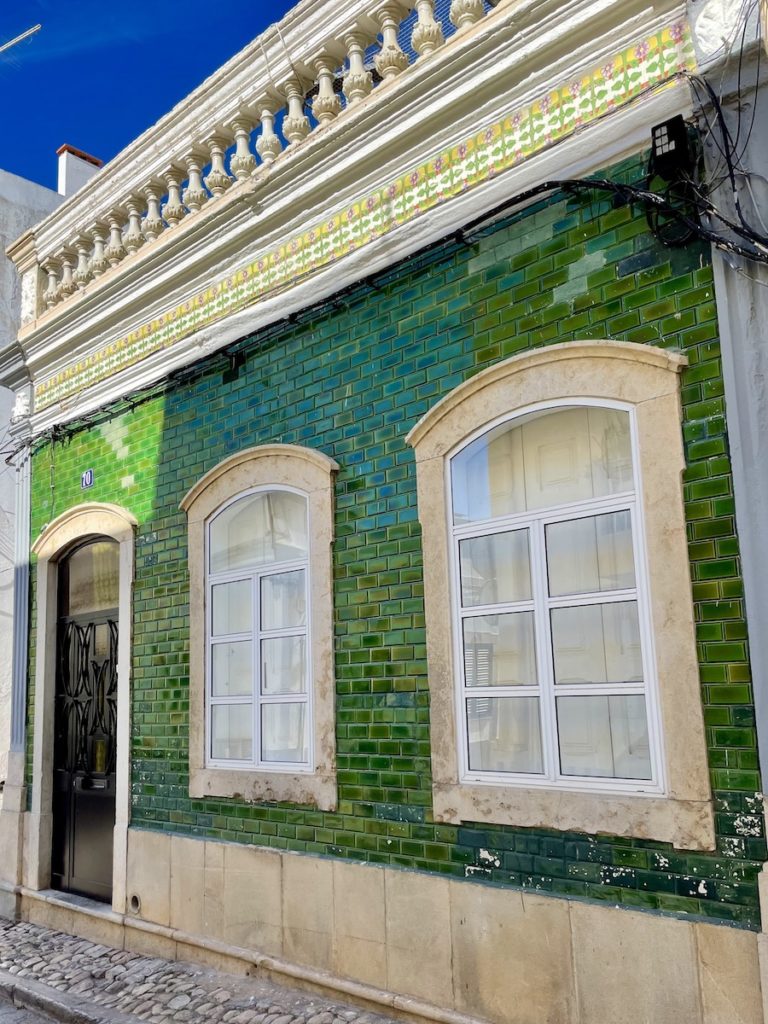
{"points": [[85, 719]]}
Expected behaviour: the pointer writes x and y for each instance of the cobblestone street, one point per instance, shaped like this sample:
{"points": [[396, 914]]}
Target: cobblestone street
{"points": [[111, 984]]}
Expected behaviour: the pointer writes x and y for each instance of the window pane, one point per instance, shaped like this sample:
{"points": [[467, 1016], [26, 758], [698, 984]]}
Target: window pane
{"points": [[597, 643], [604, 736], [499, 650], [283, 600], [232, 666], [589, 555], [542, 460], [504, 734], [284, 733], [231, 732], [284, 665], [91, 576], [270, 526], [232, 608], [495, 569]]}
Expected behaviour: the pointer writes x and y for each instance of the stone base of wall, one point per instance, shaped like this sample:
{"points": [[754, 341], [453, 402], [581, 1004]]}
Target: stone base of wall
{"points": [[416, 945]]}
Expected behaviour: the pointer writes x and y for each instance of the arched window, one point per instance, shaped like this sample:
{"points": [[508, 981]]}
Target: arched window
{"points": [[556, 680], [563, 675], [262, 719]]}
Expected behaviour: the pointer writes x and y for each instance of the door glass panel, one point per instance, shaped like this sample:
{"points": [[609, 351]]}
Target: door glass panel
{"points": [[499, 650], [232, 669], [590, 555], [90, 578], [232, 608], [542, 460], [495, 569], [284, 733], [504, 734], [598, 643], [283, 600], [284, 665], [231, 732], [604, 736], [270, 526]]}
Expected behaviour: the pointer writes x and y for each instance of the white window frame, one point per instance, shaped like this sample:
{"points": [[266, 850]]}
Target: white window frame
{"points": [[540, 605], [269, 467], [257, 699], [645, 380]]}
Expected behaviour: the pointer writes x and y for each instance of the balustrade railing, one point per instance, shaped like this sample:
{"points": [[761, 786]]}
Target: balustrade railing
{"points": [[377, 46]]}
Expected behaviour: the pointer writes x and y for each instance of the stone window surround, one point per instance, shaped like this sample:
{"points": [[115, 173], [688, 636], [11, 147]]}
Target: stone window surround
{"points": [[645, 378], [311, 472], [77, 524]]}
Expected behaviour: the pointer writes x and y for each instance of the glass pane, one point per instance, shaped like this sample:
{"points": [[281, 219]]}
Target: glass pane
{"points": [[270, 526], [542, 460], [589, 555], [504, 734], [284, 665], [232, 669], [597, 643], [231, 732], [232, 608], [91, 577], [283, 600], [604, 736], [495, 569], [284, 733], [499, 650]]}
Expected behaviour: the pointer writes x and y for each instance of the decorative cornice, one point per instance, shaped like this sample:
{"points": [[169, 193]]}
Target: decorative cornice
{"points": [[447, 174]]}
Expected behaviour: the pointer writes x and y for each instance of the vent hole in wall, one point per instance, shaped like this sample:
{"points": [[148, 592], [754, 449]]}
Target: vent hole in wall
{"points": [[135, 903]]}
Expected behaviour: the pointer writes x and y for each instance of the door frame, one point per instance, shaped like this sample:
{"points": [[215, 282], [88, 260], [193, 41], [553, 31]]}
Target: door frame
{"points": [[82, 522]]}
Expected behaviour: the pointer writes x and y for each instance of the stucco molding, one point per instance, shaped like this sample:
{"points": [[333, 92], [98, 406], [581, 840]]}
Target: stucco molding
{"points": [[647, 380], [89, 518], [310, 472]]}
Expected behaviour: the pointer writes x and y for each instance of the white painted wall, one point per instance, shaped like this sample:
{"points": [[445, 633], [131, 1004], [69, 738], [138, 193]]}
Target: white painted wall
{"points": [[22, 204]]}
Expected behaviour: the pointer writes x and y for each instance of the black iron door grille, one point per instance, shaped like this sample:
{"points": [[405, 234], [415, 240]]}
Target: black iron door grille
{"points": [[85, 732]]}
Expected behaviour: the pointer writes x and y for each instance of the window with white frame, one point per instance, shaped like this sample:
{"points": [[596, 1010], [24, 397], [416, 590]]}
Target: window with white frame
{"points": [[258, 672], [551, 625]]}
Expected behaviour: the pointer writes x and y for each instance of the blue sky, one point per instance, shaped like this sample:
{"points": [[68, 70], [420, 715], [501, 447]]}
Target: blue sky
{"points": [[101, 71]]}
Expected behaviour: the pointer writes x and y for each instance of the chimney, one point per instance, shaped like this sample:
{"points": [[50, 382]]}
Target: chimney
{"points": [[75, 168]]}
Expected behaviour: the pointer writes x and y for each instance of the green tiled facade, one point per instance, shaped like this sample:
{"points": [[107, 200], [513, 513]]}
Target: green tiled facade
{"points": [[351, 380]]}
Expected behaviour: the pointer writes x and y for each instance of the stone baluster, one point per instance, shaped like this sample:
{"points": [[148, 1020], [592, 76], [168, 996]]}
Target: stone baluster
{"points": [[427, 33], [464, 13], [174, 210], [52, 268], [153, 224], [243, 162], [115, 251], [194, 194], [295, 123], [82, 273], [99, 261], [218, 181], [133, 239], [268, 145], [67, 284], [357, 81], [390, 60], [326, 105]]}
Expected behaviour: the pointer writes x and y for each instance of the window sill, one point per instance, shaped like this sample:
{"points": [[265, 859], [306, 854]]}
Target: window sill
{"points": [[302, 788], [687, 824]]}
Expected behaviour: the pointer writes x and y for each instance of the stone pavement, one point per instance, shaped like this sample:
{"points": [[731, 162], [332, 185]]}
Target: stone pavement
{"points": [[78, 982]]}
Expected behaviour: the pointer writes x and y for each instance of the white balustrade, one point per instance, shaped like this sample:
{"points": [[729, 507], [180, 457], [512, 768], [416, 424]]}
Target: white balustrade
{"points": [[295, 124], [427, 32], [167, 196], [268, 146], [243, 162], [390, 61], [218, 181], [464, 13]]}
